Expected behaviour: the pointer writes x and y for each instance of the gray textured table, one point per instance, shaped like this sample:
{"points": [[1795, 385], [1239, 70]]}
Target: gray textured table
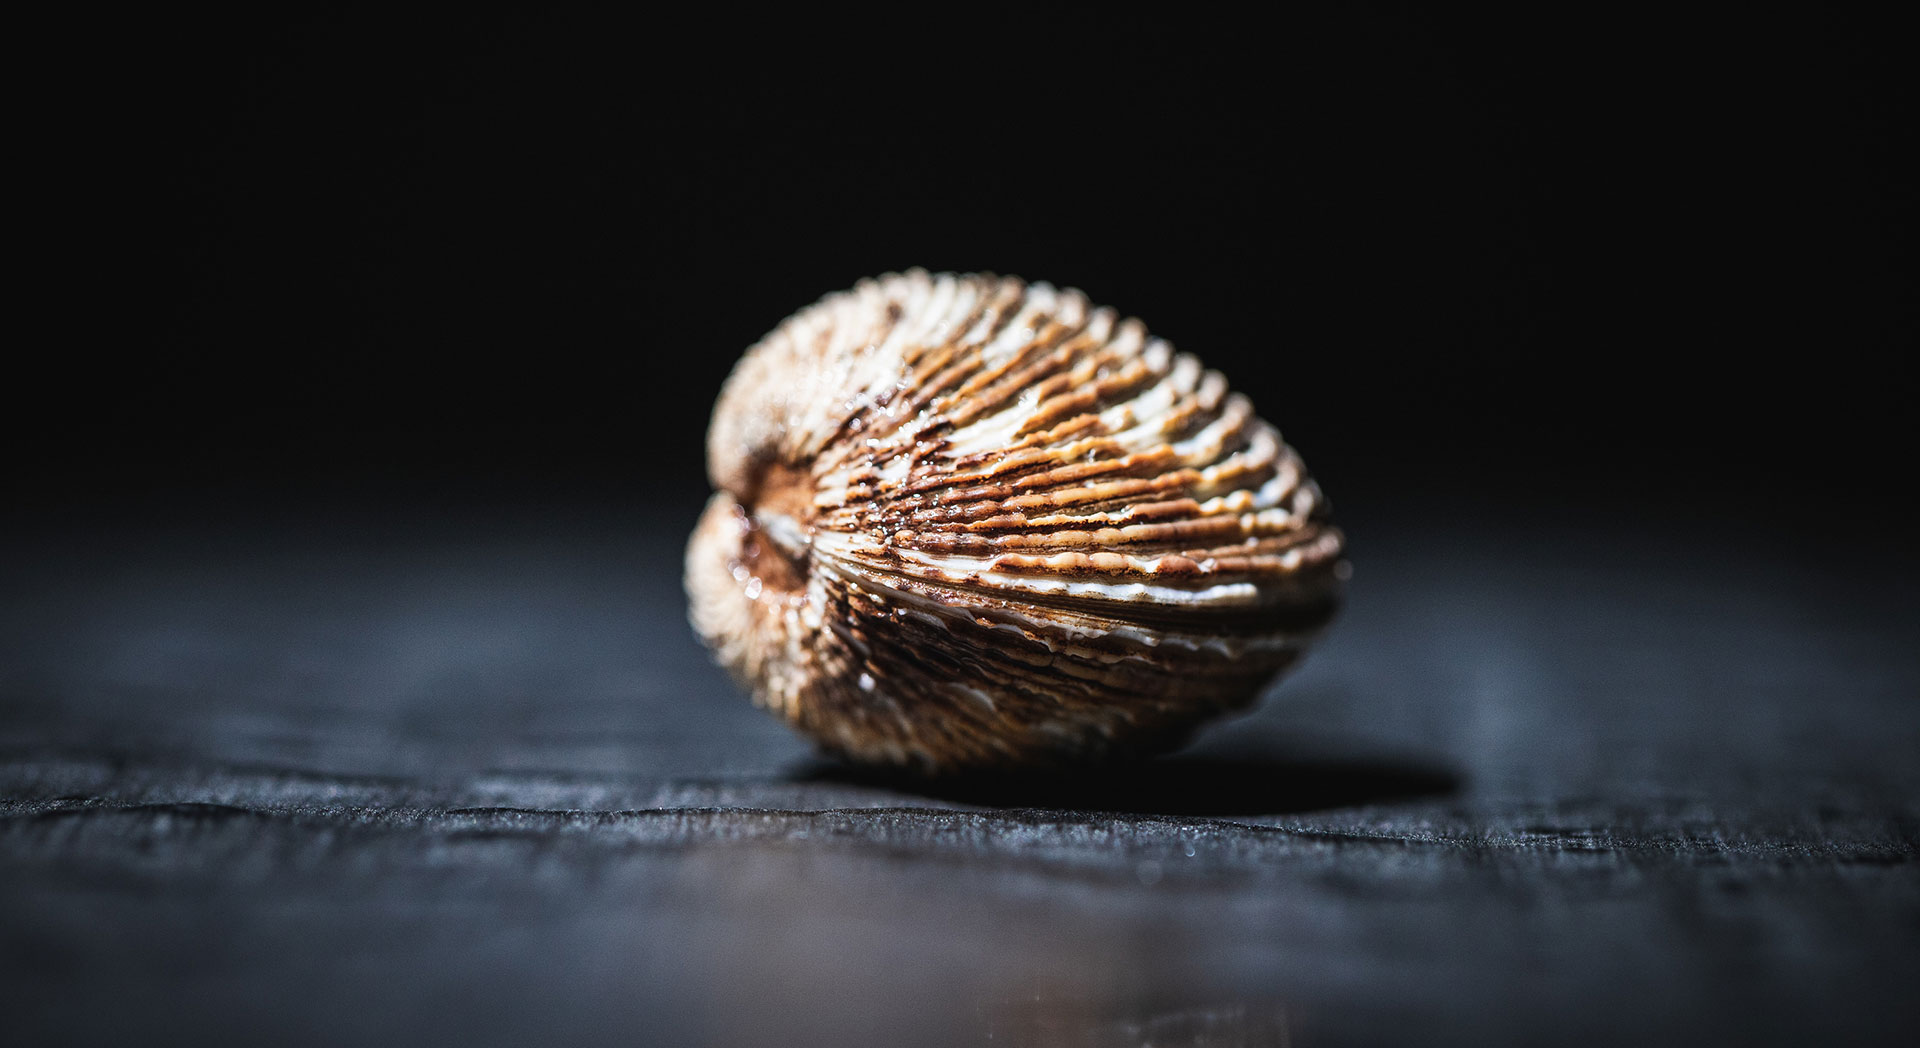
{"points": [[466, 777]]}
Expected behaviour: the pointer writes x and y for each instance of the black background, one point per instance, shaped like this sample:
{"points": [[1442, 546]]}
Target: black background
{"points": [[354, 414], [1646, 260]]}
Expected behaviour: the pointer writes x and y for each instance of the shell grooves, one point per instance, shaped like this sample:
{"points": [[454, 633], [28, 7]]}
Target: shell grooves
{"points": [[966, 520]]}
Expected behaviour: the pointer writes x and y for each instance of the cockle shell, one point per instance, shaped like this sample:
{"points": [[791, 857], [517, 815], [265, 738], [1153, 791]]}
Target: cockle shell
{"points": [[967, 521]]}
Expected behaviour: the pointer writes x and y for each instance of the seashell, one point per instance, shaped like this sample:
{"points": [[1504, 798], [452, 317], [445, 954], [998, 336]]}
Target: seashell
{"points": [[964, 521]]}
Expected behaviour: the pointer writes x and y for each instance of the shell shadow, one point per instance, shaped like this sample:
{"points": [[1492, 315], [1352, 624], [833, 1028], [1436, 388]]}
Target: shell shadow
{"points": [[1194, 784]]}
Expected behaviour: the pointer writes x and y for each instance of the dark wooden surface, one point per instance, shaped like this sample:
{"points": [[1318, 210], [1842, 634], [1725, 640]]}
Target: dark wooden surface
{"points": [[467, 778]]}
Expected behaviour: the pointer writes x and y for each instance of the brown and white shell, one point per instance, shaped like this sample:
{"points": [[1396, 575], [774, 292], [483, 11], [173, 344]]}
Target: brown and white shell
{"points": [[965, 521]]}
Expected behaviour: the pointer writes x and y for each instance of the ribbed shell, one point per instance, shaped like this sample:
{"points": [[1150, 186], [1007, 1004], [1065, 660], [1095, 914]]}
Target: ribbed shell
{"points": [[965, 521]]}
